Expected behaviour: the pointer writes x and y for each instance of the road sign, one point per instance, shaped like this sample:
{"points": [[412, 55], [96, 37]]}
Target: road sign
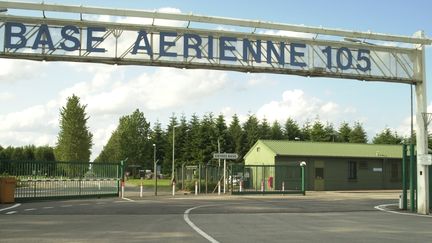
{"points": [[225, 156]]}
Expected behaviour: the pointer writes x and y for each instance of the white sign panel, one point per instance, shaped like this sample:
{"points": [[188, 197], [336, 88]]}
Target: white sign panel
{"points": [[231, 156]]}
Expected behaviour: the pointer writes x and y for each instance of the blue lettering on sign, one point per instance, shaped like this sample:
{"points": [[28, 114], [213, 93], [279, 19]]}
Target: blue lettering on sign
{"points": [[195, 46], [142, 35], [43, 38], [20, 35], [223, 47], [164, 43], [334, 58], [67, 33], [91, 39], [295, 53]]}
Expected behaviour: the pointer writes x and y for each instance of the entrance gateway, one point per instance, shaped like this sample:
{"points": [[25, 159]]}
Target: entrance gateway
{"points": [[137, 38]]}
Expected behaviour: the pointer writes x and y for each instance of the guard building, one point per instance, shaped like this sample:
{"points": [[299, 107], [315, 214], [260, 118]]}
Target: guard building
{"points": [[332, 166]]}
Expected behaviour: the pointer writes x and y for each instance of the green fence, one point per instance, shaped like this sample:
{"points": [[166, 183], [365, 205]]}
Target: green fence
{"points": [[207, 175], [48, 180], [267, 179]]}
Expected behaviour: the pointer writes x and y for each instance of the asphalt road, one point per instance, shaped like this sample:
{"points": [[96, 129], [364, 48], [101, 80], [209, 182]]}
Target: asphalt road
{"points": [[317, 217]]}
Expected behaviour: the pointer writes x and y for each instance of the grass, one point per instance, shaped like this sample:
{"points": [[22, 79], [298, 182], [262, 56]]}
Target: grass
{"points": [[161, 182]]}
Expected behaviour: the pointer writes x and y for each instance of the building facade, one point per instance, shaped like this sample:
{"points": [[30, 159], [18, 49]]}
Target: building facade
{"points": [[332, 166]]}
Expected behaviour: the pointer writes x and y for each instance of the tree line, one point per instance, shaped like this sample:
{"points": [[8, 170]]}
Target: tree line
{"points": [[195, 139]]}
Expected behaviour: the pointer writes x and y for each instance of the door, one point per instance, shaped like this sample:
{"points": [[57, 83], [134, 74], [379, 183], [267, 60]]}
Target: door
{"points": [[319, 184]]}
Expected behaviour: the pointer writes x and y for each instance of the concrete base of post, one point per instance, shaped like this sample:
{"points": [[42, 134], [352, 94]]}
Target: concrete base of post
{"points": [[219, 188], [262, 185], [196, 188], [241, 186], [141, 190]]}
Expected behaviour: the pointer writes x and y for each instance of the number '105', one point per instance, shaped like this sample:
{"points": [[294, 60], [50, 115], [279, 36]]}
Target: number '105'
{"points": [[363, 59]]}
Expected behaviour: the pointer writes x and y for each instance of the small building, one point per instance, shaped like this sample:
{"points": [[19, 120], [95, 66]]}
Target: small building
{"points": [[333, 166]]}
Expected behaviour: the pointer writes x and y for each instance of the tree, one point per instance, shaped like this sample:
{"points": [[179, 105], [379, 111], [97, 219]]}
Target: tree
{"points": [[236, 137], [222, 133], [251, 132], [158, 138], [276, 131], [74, 139], [305, 133], [317, 132], [387, 137], [330, 133], [357, 135], [194, 141], [344, 132], [208, 142], [264, 130], [291, 130]]}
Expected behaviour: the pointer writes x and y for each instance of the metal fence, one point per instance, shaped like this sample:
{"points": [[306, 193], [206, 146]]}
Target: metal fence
{"points": [[207, 177], [46, 180], [267, 179]]}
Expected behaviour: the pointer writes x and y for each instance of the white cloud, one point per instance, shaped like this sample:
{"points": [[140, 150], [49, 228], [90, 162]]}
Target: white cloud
{"points": [[6, 96], [297, 105]]}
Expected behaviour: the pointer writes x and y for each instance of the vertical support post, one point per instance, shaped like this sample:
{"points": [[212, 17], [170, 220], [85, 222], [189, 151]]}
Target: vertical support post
{"points": [[141, 188], [412, 175], [173, 188], [224, 177], [422, 140], [196, 188], [199, 177], [404, 180], [206, 178], [303, 180], [219, 188]]}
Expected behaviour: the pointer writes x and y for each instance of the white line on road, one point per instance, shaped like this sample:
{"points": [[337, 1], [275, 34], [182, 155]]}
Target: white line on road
{"points": [[384, 208], [29, 209], [127, 199], [11, 212], [66, 206], [14, 206], [48, 207], [198, 230]]}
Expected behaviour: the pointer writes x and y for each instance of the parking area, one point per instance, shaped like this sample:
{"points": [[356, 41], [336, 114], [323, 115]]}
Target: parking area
{"points": [[318, 216]]}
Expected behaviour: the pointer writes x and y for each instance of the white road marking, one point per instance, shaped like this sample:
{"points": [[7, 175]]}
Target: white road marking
{"points": [[383, 208], [66, 206], [29, 209], [84, 204], [127, 199], [11, 212], [193, 226], [48, 207], [14, 206]]}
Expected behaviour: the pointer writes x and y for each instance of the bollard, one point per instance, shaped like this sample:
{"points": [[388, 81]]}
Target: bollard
{"points": [[196, 188], [283, 185], [262, 185], [173, 188], [241, 186], [122, 189], [141, 190], [99, 186], [219, 188]]}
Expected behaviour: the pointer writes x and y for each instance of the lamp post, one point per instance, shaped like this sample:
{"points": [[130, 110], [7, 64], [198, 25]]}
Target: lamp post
{"points": [[155, 168], [173, 153]]}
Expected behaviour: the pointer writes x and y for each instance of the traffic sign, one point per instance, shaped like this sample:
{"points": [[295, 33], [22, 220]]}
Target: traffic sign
{"points": [[225, 156]]}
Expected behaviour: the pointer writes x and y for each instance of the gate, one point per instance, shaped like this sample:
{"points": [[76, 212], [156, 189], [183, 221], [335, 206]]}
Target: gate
{"points": [[207, 177], [267, 179], [37, 180]]}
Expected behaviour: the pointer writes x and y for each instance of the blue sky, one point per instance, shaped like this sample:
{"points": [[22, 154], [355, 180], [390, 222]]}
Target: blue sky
{"points": [[31, 93]]}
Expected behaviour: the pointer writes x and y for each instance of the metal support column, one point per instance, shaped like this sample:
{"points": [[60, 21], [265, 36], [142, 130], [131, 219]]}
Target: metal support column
{"points": [[404, 180]]}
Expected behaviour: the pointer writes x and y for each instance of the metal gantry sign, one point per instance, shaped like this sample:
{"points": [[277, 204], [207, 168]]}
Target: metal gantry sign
{"points": [[134, 37]]}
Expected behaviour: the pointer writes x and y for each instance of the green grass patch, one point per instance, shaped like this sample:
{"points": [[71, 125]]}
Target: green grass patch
{"points": [[147, 183]]}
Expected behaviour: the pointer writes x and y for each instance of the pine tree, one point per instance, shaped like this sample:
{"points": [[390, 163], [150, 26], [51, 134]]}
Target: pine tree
{"points": [[276, 131], [236, 137], [330, 133], [357, 135], [291, 130], [194, 141], [387, 137], [158, 138], [317, 132], [222, 133], [208, 141], [251, 133], [305, 133], [74, 139], [264, 130], [344, 132]]}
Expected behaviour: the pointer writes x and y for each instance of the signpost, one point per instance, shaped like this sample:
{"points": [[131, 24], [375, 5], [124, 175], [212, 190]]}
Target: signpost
{"points": [[225, 156], [319, 52]]}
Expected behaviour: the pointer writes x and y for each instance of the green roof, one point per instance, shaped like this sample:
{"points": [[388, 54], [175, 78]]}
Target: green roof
{"points": [[319, 149]]}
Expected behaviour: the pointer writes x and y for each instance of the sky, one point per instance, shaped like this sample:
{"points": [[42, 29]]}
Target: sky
{"points": [[32, 93]]}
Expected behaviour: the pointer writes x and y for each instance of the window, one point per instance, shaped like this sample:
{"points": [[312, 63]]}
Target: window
{"points": [[319, 173], [352, 170]]}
